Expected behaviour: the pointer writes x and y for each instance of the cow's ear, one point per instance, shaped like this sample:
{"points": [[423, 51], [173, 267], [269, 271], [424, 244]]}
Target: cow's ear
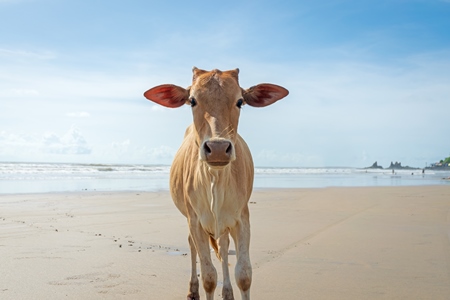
{"points": [[168, 95], [264, 94]]}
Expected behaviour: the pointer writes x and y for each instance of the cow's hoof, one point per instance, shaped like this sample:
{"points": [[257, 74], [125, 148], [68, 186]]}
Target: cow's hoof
{"points": [[193, 296], [227, 293]]}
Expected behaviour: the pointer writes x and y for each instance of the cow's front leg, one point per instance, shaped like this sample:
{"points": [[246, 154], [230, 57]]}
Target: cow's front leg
{"points": [[193, 284], [227, 290], [243, 270], [209, 273]]}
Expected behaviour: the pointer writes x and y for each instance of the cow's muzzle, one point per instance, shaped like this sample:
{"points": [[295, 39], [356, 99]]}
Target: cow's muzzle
{"points": [[217, 152]]}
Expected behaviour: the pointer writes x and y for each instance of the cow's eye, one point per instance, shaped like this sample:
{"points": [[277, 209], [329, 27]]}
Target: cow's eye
{"points": [[193, 102], [239, 103]]}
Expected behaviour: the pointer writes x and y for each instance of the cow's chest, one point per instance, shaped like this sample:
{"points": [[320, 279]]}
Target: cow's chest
{"points": [[218, 208]]}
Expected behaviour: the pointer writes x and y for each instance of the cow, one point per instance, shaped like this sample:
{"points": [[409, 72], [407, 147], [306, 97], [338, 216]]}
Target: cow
{"points": [[211, 178]]}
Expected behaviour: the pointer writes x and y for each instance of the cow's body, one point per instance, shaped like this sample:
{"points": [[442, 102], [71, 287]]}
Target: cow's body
{"points": [[211, 178], [206, 189]]}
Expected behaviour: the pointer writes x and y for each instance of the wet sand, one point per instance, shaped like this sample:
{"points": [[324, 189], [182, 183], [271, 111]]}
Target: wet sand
{"points": [[331, 243]]}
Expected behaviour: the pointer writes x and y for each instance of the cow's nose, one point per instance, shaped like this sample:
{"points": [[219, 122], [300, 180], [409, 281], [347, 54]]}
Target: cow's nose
{"points": [[218, 152]]}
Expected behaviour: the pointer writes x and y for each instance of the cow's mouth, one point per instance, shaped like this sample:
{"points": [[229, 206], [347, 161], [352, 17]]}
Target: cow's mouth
{"points": [[217, 164]]}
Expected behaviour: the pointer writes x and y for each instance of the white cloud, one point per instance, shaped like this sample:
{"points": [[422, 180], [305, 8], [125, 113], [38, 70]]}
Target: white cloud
{"points": [[14, 140], [42, 55], [26, 147], [127, 152], [74, 142], [274, 158], [120, 148], [161, 153], [78, 114], [18, 93]]}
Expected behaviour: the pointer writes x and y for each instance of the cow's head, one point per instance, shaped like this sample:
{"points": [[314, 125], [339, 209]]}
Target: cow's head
{"points": [[216, 100]]}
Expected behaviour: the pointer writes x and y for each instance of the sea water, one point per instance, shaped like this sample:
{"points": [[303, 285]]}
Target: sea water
{"points": [[65, 177]]}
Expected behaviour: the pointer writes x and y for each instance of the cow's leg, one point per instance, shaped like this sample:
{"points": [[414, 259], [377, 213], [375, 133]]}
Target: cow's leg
{"points": [[193, 284], [243, 270], [227, 291], [209, 273]]}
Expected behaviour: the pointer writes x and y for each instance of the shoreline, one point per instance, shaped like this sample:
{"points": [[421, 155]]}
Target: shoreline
{"points": [[41, 178], [310, 243], [255, 189], [441, 182]]}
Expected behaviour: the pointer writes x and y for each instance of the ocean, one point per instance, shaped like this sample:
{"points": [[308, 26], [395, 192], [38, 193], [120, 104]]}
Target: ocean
{"points": [[18, 178]]}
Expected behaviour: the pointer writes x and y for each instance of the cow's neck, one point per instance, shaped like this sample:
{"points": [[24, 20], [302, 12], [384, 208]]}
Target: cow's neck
{"points": [[219, 184]]}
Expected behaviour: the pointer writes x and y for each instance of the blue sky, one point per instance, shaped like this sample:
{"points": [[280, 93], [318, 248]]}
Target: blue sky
{"points": [[368, 80]]}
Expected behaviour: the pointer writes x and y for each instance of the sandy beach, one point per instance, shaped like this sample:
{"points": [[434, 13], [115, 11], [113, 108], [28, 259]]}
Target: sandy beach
{"points": [[329, 243]]}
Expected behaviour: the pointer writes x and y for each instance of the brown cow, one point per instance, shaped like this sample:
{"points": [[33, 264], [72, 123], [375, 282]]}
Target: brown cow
{"points": [[211, 178]]}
